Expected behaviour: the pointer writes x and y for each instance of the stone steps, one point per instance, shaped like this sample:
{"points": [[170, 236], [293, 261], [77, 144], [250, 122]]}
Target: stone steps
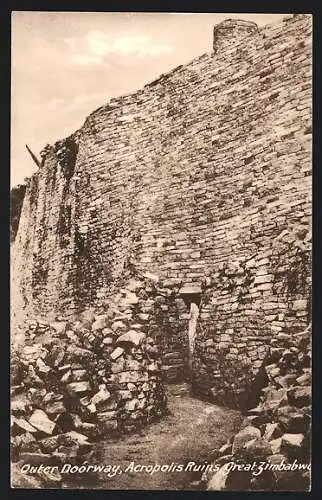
{"points": [[172, 356], [173, 362], [174, 373]]}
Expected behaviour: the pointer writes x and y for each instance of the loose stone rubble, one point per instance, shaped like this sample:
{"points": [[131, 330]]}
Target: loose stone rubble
{"points": [[277, 431], [76, 381]]}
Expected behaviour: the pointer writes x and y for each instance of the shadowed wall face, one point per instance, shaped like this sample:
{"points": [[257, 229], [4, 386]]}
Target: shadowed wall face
{"points": [[206, 171]]}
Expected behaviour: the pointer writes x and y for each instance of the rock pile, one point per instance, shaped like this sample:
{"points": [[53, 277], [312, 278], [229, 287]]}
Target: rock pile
{"points": [[74, 381], [272, 449]]}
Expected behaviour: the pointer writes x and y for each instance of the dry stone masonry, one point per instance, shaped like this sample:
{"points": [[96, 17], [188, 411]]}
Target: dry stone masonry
{"points": [[201, 178], [74, 382], [277, 432]]}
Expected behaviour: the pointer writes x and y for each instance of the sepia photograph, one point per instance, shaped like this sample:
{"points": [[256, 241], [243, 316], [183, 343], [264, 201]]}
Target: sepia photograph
{"points": [[161, 251]]}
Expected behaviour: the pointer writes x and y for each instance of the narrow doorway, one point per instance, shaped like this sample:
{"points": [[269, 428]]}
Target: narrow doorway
{"points": [[191, 295]]}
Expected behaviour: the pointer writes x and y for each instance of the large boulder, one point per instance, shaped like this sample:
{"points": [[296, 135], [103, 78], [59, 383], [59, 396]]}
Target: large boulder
{"points": [[23, 480], [101, 396], [275, 445], [300, 396], [257, 449], [118, 325], [100, 322], [59, 327], [238, 480], [133, 285], [292, 445], [272, 431], [132, 336], [293, 480], [244, 436], [40, 421], [130, 299], [218, 480], [265, 481], [117, 353], [293, 420]]}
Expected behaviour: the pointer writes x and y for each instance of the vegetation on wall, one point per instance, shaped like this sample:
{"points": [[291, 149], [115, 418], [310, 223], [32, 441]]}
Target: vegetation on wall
{"points": [[291, 262], [66, 152], [17, 195]]}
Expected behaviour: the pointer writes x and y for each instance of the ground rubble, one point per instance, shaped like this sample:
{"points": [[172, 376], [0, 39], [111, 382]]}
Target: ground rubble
{"points": [[76, 382], [271, 451]]}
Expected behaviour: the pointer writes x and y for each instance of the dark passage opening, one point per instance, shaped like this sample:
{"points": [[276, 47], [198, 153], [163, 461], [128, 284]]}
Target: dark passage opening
{"points": [[191, 293], [191, 297]]}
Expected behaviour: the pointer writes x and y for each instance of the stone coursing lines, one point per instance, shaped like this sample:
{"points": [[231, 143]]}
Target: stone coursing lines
{"points": [[204, 174]]}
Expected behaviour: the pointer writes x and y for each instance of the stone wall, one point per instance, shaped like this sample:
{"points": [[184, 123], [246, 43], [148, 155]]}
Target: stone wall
{"points": [[204, 175], [248, 304]]}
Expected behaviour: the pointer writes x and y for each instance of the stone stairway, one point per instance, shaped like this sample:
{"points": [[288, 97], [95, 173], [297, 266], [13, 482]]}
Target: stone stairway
{"points": [[174, 366]]}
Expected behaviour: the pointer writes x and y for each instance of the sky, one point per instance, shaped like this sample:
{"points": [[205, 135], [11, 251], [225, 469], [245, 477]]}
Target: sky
{"points": [[64, 65]]}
